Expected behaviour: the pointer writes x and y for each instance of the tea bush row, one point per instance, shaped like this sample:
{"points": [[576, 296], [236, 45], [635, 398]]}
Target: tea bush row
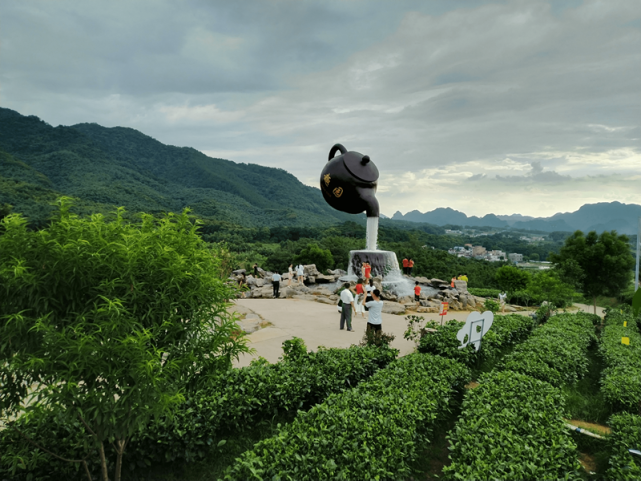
{"points": [[621, 379], [555, 352], [512, 427], [236, 400], [626, 434], [505, 330], [374, 431]]}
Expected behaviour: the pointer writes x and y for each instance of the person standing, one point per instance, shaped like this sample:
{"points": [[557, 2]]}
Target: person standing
{"points": [[502, 298], [375, 308], [369, 288], [348, 306], [464, 277], [410, 266], [452, 285], [276, 284], [255, 270], [291, 274], [360, 293], [368, 271], [300, 271], [242, 284], [417, 294], [406, 265]]}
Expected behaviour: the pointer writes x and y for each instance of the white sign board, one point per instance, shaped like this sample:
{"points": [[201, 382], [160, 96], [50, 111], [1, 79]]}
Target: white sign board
{"points": [[475, 327]]}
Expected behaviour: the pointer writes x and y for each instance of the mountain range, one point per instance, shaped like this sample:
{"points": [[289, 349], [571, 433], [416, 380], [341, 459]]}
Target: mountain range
{"points": [[108, 167], [602, 216]]}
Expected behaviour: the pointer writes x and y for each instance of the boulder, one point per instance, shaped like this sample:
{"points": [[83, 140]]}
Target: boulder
{"points": [[310, 270], [336, 272], [334, 297], [393, 308], [320, 291], [439, 282], [263, 273], [323, 279], [427, 309], [460, 286], [238, 272], [406, 300], [326, 300], [423, 280], [389, 296], [510, 309], [304, 297]]}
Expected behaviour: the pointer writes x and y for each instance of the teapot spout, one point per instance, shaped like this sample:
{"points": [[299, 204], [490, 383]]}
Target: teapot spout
{"points": [[372, 209]]}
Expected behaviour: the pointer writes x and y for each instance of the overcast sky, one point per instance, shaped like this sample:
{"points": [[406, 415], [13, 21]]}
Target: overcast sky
{"points": [[502, 107]]}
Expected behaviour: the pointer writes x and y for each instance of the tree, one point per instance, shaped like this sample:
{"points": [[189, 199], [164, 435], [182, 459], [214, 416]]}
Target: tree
{"points": [[596, 264], [109, 321], [314, 254], [511, 279], [547, 286]]}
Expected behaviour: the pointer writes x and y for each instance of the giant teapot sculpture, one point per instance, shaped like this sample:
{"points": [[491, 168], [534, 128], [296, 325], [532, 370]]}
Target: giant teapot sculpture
{"points": [[348, 182]]}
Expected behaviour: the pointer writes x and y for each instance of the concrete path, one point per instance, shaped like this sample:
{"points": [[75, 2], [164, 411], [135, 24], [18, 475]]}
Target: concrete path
{"points": [[318, 325]]}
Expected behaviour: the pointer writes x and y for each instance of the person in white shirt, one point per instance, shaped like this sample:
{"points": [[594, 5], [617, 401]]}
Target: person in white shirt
{"points": [[502, 298], [276, 283], [348, 306], [300, 271], [375, 309], [291, 275]]}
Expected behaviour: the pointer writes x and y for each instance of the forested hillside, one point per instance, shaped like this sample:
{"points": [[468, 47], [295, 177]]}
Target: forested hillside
{"points": [[108, 167]]}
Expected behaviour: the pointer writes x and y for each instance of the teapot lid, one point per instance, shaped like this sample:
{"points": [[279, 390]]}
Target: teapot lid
{"points": [[360, 166]]}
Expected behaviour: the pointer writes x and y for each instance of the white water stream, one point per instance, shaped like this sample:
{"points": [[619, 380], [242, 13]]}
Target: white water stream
{"points": [[372, 233]]}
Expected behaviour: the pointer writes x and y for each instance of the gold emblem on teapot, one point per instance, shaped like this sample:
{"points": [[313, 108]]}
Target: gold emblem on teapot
{"points": [[338, 191], [327, 180]]}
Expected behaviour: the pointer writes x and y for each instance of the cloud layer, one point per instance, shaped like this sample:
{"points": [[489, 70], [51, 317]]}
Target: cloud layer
{"points": [[501, 107]]}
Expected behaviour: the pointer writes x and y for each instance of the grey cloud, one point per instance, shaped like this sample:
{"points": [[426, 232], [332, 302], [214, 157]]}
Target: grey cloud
{"points": [[536, 175], [476, 177]]}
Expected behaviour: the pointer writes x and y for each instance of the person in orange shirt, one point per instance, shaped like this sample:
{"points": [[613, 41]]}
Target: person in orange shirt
{"points": [[368, 271], [417, 294], [406, 264], [410, 266], [360, 292]]}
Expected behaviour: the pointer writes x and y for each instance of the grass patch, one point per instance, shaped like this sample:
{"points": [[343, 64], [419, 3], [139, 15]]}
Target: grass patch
{"points": [[584, 400]]}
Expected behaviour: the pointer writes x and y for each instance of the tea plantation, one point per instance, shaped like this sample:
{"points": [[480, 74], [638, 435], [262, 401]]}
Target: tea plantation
{"points": [[363, 413]]}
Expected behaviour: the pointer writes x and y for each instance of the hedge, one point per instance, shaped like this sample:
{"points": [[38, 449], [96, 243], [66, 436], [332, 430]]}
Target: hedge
{"points": [[505, 330], [555, 352], [237, 400], [621, 379], [512, 427], [626, 434], [374, 431]]}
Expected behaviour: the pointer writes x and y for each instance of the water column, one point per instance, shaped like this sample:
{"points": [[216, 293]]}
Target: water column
{"points": [[372, 234]]}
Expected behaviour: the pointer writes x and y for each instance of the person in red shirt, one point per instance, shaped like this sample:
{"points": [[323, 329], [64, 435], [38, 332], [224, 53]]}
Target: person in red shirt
{"points": [[417, 294], [360, 292], [368, 271], [406, 264], [410, 266]]}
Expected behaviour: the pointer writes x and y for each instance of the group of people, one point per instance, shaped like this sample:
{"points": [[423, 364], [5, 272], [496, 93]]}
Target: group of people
{"points": [[298, 272], [460, 277], [361, 298], [408, 265]]}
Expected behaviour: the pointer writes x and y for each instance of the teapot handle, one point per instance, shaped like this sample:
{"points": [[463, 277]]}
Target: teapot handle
{"points": [[333, 150]]}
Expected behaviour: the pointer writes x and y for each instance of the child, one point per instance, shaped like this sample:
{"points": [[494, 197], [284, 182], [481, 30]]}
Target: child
{"points": [[360, 292], [417, 294]]}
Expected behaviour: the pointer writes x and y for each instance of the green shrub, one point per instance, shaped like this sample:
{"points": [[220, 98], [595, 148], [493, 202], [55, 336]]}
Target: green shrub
{"points": [[294, 348], [505, 330], [374, 431], [241, 398], [512, 427], [235, 401], [555, 352], [492, 306], [626, 434], [621, 379], [480, 292]]}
